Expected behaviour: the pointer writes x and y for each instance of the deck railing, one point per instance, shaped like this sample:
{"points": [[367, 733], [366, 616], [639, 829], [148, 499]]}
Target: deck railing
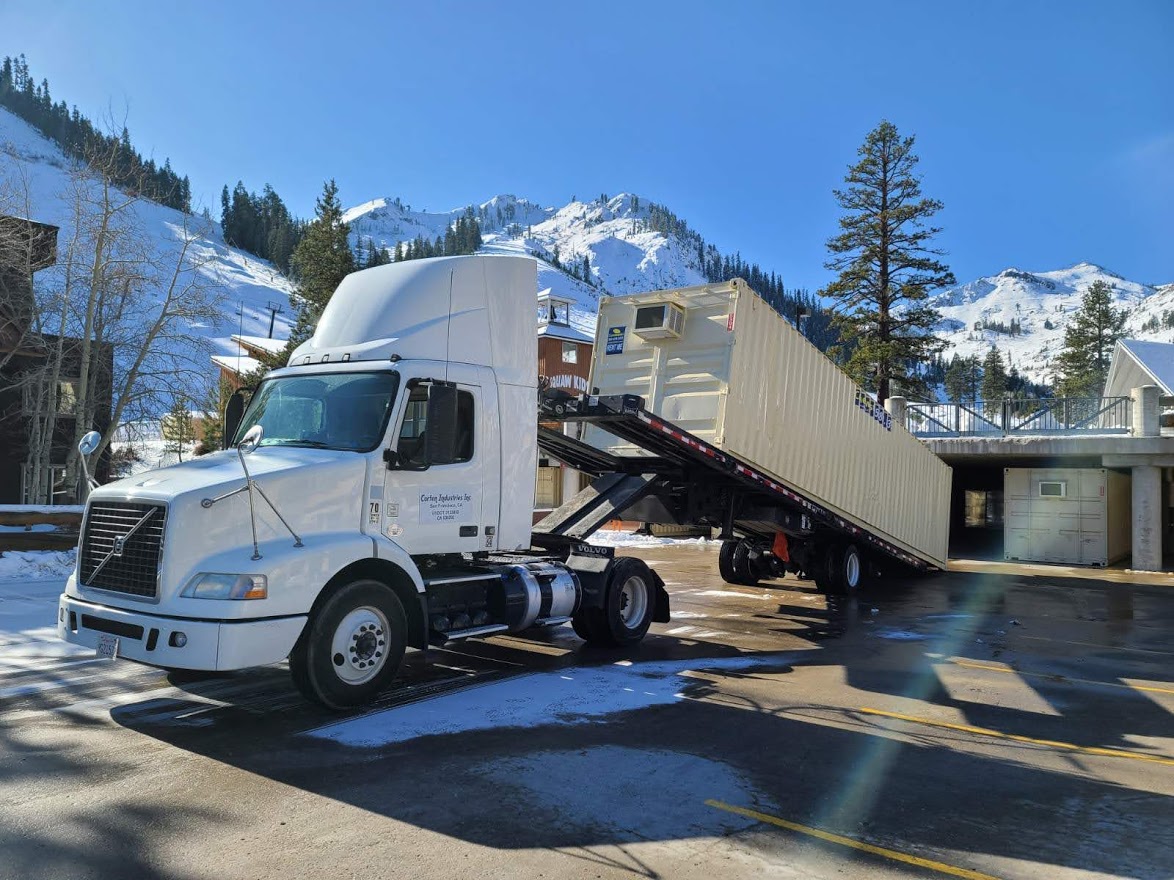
{"points": [[1041, 415]]}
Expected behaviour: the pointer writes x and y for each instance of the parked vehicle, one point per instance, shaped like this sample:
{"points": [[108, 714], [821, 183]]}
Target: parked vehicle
{"points": [[379, 497], [709, 408]]}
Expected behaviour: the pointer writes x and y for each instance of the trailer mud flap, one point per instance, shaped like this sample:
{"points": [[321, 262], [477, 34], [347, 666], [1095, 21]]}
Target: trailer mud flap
{"points": [[660, 612]]}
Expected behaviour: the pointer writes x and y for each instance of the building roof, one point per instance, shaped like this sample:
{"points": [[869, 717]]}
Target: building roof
{"points": [[1155, 360], [238, 365], [564, 331], [260, 343]]}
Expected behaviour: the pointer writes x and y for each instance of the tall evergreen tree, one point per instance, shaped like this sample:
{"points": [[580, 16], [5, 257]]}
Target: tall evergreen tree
{"points": [[887, 267], [321, 260], [963, 378], [1083, 364], [994, 380]]}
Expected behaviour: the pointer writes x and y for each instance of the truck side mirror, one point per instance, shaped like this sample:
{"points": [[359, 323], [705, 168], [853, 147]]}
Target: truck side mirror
{"points": [[234, 411], [441, 433]]}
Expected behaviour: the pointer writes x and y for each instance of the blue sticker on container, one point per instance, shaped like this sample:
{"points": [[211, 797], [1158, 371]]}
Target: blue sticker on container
{"points": [[615, 339]]}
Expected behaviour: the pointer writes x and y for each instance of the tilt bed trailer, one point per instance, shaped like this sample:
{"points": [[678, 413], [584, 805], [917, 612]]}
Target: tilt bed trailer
{"points": [[380, 497], [710, 409]]}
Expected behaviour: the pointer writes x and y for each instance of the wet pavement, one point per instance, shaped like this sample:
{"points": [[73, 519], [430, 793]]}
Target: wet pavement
{"points": [[966, 724]]}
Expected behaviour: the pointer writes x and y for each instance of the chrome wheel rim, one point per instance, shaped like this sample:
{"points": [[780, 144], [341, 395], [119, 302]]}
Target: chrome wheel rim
{"points": [[852, 564], [359, 647], [633, 602]]}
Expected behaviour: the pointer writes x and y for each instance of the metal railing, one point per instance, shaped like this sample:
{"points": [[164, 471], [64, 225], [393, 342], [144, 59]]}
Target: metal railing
{"points": [[1040, 415]]}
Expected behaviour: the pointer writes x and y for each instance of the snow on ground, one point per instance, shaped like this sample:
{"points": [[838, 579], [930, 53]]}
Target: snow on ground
{"points": [[28, 624], [42, 508], [574, 695], [31, 565], [618, 538], [155, 454]]}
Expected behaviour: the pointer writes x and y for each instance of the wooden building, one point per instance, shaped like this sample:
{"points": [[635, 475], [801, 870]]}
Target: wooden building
{"points": [[27, 247]]}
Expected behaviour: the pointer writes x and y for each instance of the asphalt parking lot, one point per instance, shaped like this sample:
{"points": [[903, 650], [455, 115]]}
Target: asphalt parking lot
{"points": [[967, 724]]}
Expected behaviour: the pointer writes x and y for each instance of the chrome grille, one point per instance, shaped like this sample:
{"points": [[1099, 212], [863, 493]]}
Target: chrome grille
{"points": [[117, 556]]}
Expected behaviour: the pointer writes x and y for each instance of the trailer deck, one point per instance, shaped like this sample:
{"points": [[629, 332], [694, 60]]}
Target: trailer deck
{"points": [[682, 479]]}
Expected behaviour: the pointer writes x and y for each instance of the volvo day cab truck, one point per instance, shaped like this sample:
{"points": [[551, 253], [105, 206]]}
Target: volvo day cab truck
{"points": [[378, 496]]}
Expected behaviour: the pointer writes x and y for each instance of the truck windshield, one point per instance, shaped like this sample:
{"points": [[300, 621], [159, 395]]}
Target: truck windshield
{"points": [[332, 411]]}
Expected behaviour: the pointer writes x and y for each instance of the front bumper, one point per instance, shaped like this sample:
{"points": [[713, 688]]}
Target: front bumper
{"points": [[211, 645]]}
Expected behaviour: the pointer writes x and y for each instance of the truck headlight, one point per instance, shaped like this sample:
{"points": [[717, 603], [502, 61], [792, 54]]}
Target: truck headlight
{"points": [[214, 585]]}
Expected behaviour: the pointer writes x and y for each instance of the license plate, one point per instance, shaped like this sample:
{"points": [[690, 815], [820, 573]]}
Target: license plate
{"points": [[107, 647]]}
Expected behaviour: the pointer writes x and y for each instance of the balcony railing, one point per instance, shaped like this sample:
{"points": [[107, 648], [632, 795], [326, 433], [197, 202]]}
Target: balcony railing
{"points": [[1046, 415]]}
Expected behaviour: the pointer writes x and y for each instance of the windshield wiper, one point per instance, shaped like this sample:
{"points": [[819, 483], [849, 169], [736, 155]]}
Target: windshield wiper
{"points": [[313, 444]]}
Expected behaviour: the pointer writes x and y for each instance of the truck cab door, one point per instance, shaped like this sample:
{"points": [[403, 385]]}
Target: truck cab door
{"points": [[434, 488]]}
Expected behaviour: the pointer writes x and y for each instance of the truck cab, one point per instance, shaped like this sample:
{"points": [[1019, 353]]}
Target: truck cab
{"points": [[377, 495]]}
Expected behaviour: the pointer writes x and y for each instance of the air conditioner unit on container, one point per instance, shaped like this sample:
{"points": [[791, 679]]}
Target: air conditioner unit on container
{"points": [[660, 321]]}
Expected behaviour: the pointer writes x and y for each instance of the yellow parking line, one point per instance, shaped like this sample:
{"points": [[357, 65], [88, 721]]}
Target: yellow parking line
{"points": [[970, 664], [983, 731], [929, 864]]}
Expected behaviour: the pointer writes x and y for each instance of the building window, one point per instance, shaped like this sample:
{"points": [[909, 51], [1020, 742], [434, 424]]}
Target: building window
{"points": [[34, 399], [984, 509], [570, 353]]}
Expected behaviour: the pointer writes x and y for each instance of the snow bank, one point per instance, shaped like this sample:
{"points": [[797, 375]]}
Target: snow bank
{"points": [[565, 696], [617, 538], [34, 565]]}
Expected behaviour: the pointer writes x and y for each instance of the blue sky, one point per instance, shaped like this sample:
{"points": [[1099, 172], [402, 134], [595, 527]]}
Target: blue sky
{"points": [[1047, 128]]}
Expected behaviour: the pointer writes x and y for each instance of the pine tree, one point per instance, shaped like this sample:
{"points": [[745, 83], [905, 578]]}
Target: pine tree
{"points": [[321, 260], [963, 377], [1083, 363], [994, 381], [886, 266]]}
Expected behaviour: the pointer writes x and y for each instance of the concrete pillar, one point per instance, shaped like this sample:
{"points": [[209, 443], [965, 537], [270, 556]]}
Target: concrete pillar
{"points": [[1147, 518], [895, 407], [1146, 411]]}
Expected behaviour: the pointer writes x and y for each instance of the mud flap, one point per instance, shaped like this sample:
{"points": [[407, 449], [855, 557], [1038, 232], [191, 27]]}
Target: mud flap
{"points": [[660, 613]]}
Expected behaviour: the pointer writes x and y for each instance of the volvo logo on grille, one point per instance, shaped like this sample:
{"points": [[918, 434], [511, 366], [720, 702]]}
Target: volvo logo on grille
{"points": [[119, 545]]}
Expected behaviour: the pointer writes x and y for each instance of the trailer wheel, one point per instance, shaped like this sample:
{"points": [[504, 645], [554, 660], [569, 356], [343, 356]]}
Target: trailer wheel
{"points": [[845, 569], [733, 564], [351, 647], [628, 606], [725, 562]]}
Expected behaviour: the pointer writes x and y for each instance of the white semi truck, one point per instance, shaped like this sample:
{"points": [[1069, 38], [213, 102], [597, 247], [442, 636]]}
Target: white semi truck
{"points": [[380, 494], [379, 497]]}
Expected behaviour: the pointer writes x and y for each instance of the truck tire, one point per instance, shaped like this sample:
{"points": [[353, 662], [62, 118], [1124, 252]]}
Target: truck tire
{"points": [[628, 606], [351, 647], [733, 564], [846, 569], [725, 562], [743, 567]]}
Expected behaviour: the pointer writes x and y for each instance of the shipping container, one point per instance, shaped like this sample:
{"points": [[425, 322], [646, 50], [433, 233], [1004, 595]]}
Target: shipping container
{"points": [[717, 361], [1078, 516]]}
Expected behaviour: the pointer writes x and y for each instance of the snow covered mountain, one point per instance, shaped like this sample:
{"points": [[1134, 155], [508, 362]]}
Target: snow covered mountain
{"points": [[612, 244], [623, 255], [1024, 314]]}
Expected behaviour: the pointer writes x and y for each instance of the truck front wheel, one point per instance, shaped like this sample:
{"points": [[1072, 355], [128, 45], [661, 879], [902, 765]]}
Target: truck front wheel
{"points": [[351, 646]]}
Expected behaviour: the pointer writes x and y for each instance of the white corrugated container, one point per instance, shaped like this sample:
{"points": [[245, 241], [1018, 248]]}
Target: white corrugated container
{"points": [[742, 378], [1078, 516]]}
